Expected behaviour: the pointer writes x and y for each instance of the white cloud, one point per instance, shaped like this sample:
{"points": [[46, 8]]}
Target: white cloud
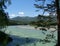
{"points": [[15, 15], [21, 13], [12, 15]]}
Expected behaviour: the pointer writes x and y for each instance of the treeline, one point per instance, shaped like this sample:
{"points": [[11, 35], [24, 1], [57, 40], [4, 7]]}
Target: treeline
{"points": [[12, 22], [40, 21], [45, 21]]}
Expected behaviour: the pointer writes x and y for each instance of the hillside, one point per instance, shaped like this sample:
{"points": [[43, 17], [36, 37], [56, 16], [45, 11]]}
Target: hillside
{"points": [[27, 20], [24, 19], [18, 18]]}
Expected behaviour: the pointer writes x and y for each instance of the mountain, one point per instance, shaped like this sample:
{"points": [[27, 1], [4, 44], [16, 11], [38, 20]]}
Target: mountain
{"points": [[28, 20], [18, 18], [24, 19]]}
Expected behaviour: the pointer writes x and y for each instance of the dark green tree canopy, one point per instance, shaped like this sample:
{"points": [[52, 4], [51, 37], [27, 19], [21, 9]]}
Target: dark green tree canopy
{"points": [[3, 4], [47, 7], [50, 8], [3, 14]]}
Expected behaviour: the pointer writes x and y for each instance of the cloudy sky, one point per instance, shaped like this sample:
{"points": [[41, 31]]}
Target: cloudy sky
{"points": [[22, 8]]}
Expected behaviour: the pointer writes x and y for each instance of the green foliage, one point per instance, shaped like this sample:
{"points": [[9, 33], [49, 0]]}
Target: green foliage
{"points": [[3, 19], [3, 15], [44, 21], [50, 8], [3, 4], [4, 38]]}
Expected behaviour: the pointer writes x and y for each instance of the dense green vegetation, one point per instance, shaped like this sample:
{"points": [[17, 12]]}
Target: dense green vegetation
{"points": [[52, 9], [45, 21], [4, 38], [22, 20]]}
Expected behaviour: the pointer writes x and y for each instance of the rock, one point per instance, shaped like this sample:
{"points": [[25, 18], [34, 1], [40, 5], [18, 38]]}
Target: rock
{"points": [[44, 29]]}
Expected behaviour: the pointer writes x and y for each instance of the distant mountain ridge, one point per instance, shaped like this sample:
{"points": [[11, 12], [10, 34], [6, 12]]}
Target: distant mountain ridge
{"points": [[24, 19], [28, 20]]}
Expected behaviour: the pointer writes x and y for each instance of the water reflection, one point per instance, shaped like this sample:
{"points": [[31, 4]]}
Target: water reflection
{"points": [[22, 41], [25, 41]]}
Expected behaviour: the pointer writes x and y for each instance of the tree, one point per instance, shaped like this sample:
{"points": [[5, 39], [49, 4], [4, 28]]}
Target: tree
{"points": [[3, 4], [53, 9], [3, 14], [47, 7], [58, 18], [4, 38], [50, 8]]}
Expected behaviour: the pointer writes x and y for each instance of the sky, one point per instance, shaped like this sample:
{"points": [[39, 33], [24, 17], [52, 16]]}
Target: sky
{"points": [[22, 8]]}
